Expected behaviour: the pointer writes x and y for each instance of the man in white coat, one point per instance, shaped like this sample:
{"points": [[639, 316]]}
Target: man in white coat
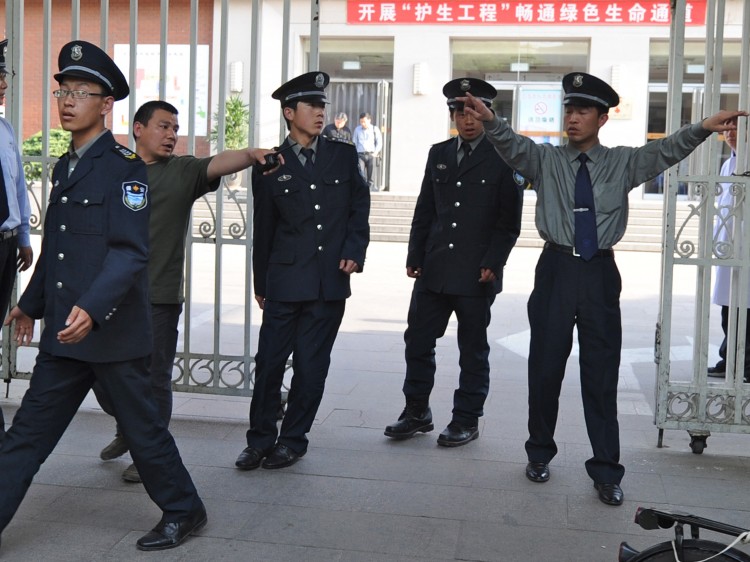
{"points": [[723, 233]]}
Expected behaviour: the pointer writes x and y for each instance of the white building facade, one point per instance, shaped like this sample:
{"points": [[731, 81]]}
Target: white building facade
{"points": [[391, 59]]}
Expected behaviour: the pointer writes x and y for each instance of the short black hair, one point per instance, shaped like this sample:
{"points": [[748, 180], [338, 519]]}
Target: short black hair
{"points": [[365, 115], [146, 111]]}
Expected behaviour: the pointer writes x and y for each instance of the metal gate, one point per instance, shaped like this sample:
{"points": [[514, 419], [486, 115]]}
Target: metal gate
{"points": [[215, 353], [685, 398]]}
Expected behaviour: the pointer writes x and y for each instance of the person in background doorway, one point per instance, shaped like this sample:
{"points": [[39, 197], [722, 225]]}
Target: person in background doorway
{"points": [[15, 242], [369, 142], [466, 222], [338, 129]]}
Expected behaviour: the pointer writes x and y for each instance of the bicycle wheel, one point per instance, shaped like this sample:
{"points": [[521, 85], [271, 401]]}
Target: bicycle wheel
{"points": [[694, 551]]}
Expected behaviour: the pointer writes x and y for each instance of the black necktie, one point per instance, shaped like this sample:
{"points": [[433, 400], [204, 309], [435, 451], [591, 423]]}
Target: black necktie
{"points": [[4, 211], [585, 213], [308, 154], [466, 149]]}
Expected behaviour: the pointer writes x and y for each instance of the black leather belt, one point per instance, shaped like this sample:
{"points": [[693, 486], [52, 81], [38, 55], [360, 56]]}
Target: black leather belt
{"points": [[8, 234], [571, 251]]}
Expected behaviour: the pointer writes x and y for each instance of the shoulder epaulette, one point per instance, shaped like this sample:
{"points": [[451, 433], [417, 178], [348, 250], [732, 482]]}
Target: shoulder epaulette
{"points": [[444, 142], [334, 139], [126, 153]]}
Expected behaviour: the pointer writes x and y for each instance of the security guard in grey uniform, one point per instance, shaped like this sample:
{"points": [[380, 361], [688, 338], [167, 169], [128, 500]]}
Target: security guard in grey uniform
{"points": [[310, 233], [90, 286], [581, 212], [466, 221]]}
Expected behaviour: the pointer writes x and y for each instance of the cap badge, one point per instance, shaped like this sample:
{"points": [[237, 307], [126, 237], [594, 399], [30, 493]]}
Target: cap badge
{"points": [[5, 51], [319, 80], [76, 52], [578, 80], [465, 85]]}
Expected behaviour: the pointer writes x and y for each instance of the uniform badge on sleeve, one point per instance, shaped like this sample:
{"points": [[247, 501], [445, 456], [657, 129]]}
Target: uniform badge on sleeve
{"points": [[519, 179], [135, 195]]}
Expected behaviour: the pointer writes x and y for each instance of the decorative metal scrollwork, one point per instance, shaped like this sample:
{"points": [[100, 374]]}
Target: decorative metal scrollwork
{"points": [[236, 227], [682, 406]]}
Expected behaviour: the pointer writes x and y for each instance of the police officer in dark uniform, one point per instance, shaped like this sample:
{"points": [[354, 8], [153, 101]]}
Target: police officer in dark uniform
{"points": [[90, 286], [310, 234], [467, 220]]}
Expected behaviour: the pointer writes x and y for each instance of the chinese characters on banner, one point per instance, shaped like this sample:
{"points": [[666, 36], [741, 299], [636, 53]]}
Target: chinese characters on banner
{"points": [[482, 12]]}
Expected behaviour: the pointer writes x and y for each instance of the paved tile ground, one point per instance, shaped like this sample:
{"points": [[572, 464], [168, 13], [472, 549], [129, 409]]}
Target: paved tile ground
{"points": [[357, 496]]}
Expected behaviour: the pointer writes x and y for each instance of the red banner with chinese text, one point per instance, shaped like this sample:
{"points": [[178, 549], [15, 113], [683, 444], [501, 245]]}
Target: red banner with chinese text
{"points": [[481, 12]]}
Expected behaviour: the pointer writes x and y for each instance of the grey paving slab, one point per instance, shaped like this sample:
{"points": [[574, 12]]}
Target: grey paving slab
{"points": [[358, 496]]}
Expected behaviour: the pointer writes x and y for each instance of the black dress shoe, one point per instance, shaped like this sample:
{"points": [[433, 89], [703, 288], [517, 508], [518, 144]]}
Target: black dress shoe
{"points": [[537, 471], [718, 372], [456, 435], [611, 494], [281, 457], [250, 458], [169, 535], [412, 420]]}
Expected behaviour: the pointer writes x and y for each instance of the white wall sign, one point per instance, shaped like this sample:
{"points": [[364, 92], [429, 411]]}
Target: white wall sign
{"points": [[146, 87]]}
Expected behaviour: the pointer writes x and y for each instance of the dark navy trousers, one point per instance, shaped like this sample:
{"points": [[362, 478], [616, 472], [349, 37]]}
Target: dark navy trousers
{"points": [[308, 331], [58, 386], [428, 317], [570, 292]]}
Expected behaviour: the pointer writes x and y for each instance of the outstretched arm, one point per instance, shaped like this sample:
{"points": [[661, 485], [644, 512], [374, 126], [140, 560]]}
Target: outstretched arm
{"points": [[723, 121], [231, 161]]}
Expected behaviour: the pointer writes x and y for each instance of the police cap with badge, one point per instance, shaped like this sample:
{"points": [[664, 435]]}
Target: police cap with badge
{"points": [[585, 90], [460, 86], [3, 52], [309, 87], [81, 59]]}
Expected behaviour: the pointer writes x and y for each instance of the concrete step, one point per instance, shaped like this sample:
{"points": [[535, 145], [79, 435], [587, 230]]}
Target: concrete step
{"points": [[391, 216]]}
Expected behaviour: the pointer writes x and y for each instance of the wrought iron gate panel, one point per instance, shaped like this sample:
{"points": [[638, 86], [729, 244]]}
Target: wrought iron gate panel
{"points": [[218, 249], [685, 398]]}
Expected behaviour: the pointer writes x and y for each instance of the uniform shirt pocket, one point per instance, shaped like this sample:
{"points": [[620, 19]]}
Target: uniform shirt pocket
{"points": [[86, 212], [287, 198], [337, 191], [609, 198]]}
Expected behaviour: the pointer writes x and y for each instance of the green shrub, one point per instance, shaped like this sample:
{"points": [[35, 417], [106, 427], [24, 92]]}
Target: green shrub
{"points": [[59, 140], [236, 127]]}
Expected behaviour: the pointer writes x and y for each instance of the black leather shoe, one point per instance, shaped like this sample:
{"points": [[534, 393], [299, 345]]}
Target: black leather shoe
{"points": [[250, 458], [281, 457], [456, 435], [411, 421], [537, 471], [169, 535], [116, 449], [611, 494], [718, 372]]}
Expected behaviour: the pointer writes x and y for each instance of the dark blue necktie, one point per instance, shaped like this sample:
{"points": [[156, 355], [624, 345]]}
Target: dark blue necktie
{"points": [[466, 150], [308, 154], [585, 212], [4, 211]]}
